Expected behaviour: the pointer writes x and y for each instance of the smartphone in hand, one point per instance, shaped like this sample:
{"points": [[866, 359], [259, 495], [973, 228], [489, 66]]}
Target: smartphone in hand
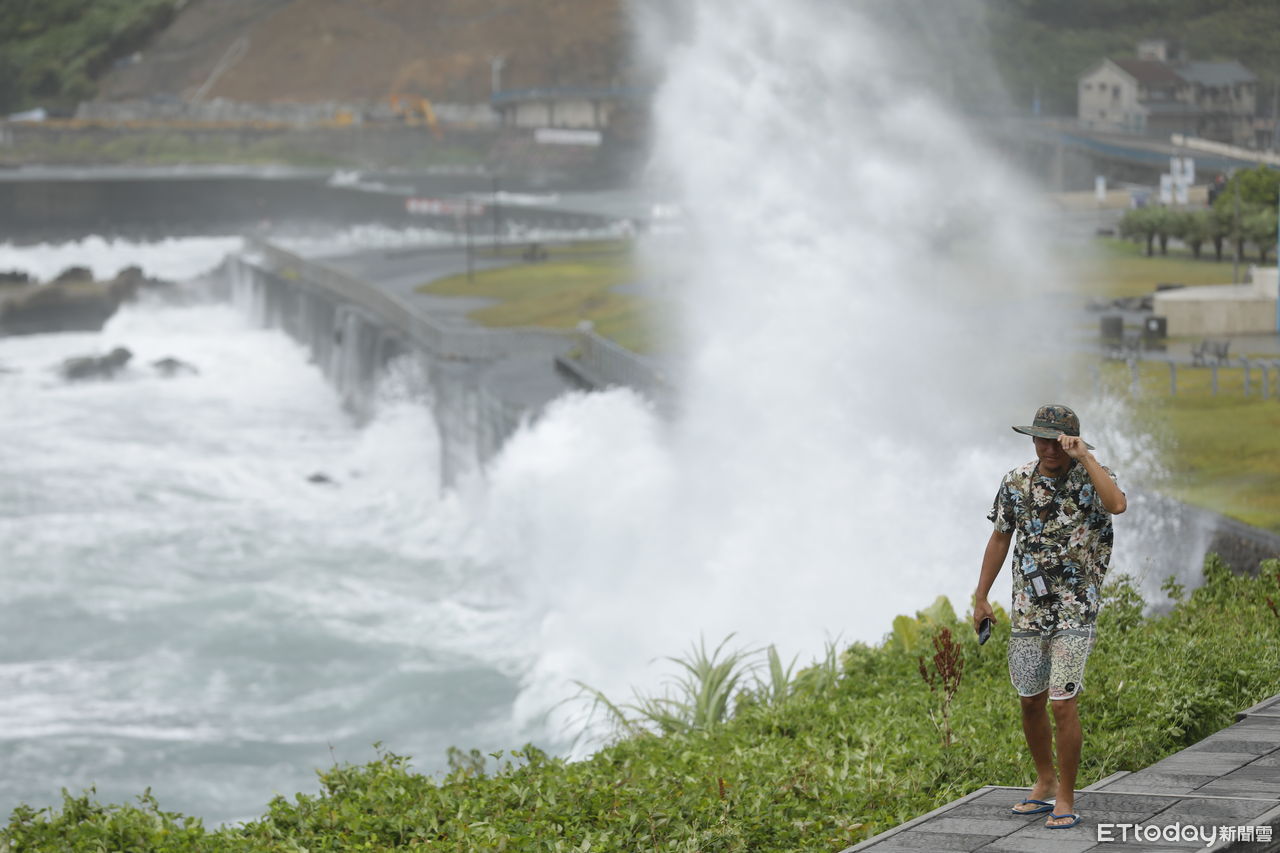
{"points": [[984, 630]]}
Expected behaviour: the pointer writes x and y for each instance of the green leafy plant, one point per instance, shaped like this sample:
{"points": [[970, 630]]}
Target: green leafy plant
{"points": [[834, 762]]}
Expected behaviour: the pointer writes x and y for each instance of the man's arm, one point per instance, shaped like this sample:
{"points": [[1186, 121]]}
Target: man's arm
{"points": [[1113, 500], [992, 562]]}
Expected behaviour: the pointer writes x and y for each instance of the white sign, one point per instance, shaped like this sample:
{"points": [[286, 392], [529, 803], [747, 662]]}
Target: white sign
{"points": [[564, 136], [1100, 187], [1166, 188]]}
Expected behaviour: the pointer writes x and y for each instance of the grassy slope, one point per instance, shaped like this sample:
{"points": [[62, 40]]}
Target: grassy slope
{"points": [[1119, 268], [850, 751], [1222, 452], [1222, 449], [575, 283]]}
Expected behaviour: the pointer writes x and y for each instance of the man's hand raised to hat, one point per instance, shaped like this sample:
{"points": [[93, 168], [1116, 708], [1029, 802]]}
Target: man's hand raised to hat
{"points": [[1113, 500], [1074, 447]]}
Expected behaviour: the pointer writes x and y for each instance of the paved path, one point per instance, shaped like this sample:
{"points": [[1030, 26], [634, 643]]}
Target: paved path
{"points": [[526, 383], [1231, 778]]}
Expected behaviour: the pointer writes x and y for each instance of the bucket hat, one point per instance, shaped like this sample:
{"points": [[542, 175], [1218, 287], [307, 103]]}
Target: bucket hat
{"points": [[1051, 421]]}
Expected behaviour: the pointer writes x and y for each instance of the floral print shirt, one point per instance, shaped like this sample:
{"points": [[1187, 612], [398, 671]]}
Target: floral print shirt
{"points": [[1064, 529]]}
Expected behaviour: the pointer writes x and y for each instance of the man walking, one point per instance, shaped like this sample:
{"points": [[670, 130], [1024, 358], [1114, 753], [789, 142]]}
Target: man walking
{"points": [[1061, 505]]}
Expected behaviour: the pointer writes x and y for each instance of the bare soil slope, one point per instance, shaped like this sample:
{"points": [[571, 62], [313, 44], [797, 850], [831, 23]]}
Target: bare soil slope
{"points": [[351, 50]]}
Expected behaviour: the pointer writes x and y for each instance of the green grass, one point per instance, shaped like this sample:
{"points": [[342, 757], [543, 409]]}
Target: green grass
{"points": [[560, 294], [1221, 451], [1120, 269], [845, 749]]}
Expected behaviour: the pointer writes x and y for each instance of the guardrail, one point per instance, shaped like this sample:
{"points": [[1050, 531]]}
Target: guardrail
{"points": [[600, 362], [412, 320]]}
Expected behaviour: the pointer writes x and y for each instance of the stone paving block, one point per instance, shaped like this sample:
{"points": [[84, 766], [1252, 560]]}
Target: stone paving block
{"points": [[993, 809], [1156, 784], [1190, 781], [993, 827], [1254, 728], [914, 839], [1037, 845], [1241, 744], [888, 847], [1209, 810], [1201, 764], [1122, 802], [1242, 788], [1252, 771], [1085, 830]]}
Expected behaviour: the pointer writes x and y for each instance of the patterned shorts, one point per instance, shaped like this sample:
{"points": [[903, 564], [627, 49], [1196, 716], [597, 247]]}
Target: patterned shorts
{"points": [[1053, 662]]}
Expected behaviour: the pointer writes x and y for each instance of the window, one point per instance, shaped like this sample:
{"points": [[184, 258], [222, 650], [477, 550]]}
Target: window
{"points": [[1115, 93]]}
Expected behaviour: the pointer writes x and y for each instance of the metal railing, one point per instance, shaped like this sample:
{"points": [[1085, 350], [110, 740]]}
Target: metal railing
{"points": [[604, 362]]}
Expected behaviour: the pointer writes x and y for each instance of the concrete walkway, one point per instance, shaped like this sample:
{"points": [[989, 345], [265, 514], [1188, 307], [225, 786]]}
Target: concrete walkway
{"points": [[1230, 779]]}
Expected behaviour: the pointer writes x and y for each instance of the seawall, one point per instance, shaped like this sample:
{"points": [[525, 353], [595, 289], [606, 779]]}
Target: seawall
{"points": [[480, 383]]}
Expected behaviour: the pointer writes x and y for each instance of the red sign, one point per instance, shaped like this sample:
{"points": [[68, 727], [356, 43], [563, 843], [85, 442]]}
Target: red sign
{"points": [[443, 207]]}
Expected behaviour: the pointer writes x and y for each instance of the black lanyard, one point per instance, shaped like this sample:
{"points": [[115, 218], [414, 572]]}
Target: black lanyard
{"points": [[1059, 482]]}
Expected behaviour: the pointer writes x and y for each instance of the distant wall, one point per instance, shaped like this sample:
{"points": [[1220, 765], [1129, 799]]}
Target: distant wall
{"points": [[1218, 310], [357, 146], [303, 115]]}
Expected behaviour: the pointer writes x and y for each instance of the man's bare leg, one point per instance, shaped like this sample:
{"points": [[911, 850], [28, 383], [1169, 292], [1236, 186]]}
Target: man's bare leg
{"points": [[1066, 724], [1035, 725]]}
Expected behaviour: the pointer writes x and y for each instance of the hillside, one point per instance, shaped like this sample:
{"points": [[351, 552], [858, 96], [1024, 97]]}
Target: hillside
{"points": [[55, 53], [321, 50], [1044, 45]]}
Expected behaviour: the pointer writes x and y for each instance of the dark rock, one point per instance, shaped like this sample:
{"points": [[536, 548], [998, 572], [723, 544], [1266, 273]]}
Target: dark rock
{"points": [[96, 367], [126, 284], [170, 367], [322, 479], [75, 275], [56, 308], [73, 302]]}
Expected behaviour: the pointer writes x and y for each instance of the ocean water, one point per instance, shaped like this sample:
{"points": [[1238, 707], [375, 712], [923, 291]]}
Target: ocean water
{"points": [[854, 302], [180, 607]]}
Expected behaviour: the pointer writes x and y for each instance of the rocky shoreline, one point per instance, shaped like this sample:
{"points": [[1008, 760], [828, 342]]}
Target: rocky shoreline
{"points": [[72, 302]]}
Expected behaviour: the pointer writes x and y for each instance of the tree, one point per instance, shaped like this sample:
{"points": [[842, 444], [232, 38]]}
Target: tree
{"points": [[1222, 223], [1139, 224], [1165, 223], [1259, 228], [1194, 227]]}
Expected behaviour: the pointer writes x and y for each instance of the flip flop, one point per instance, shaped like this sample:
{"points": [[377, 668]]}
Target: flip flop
{"points": [[1062, 825], [1044, 806]]}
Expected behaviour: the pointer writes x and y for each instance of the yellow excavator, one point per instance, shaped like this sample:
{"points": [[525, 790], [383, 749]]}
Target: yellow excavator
{"points": [[415, 110]]}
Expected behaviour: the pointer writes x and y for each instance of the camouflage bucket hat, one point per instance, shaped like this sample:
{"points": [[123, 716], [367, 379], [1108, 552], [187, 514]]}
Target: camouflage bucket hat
{"points": [[1051, 421]]}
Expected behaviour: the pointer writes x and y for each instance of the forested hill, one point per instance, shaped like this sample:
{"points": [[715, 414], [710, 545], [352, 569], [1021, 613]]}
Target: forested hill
{"points": [[54, 53], [1044, 45]]}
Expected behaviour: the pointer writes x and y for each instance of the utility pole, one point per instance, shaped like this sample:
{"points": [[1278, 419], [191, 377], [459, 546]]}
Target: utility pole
{"points": [[1235, 234], [466, 222], [497, 217]]}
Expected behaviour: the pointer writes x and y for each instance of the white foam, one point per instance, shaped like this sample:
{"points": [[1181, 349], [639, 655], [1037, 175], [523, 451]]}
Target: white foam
{"points": [[178, 258], [859, 330]]}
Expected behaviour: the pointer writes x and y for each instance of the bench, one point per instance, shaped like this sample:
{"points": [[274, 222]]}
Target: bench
{"points": [[1210, 351]]}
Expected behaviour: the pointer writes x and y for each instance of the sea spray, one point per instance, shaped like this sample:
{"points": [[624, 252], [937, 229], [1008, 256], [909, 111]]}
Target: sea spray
{"points": [[858, 325]]}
